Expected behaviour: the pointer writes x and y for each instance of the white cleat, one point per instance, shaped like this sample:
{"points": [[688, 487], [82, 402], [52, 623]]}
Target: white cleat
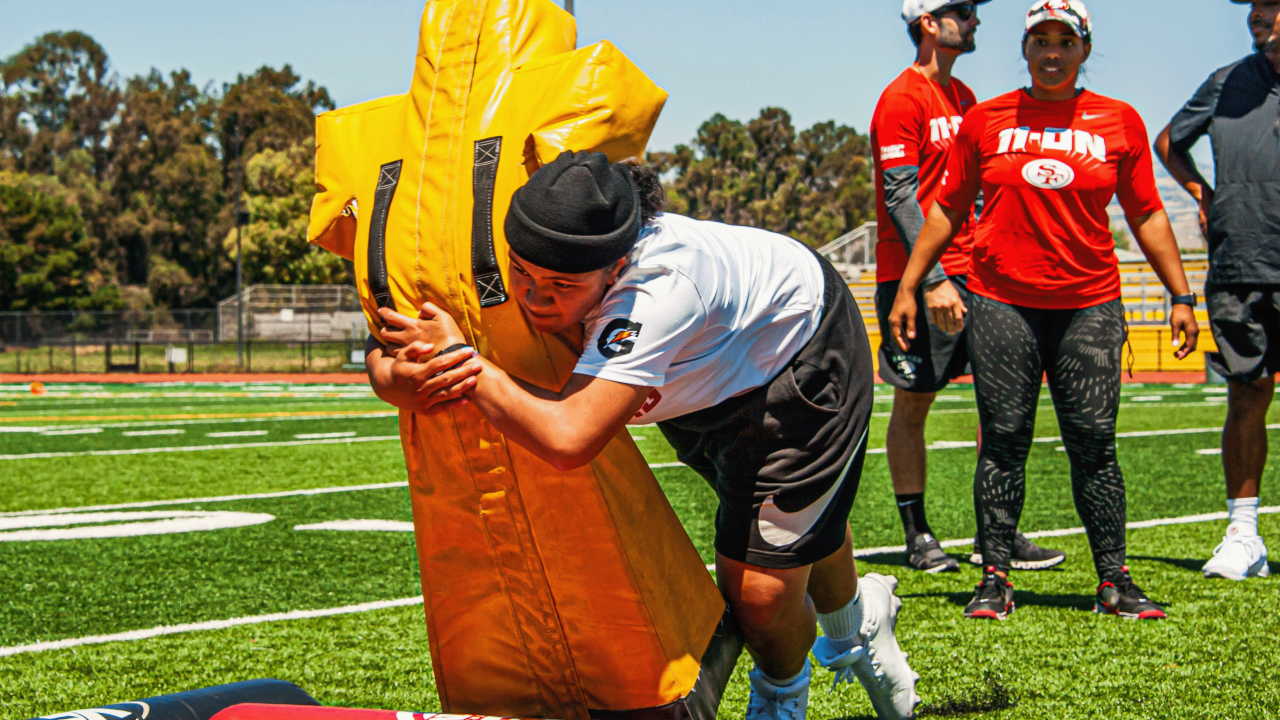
{"points": [[878, 663], [1238, 557], [770, 702]]}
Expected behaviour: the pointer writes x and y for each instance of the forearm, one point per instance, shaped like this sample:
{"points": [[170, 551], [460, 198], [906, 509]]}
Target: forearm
{"points": [[551, 426], [901, 198], [936, 235], [1181, 166], [1155, 237]]}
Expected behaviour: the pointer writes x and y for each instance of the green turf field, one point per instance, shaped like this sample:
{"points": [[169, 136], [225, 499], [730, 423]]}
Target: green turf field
{"points": [[247, 460]]}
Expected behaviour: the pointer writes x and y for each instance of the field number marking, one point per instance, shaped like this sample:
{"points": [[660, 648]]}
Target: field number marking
{"points": [[75, 431], [322, 436], [85, 526], [360, 526], [239, 433], [148, 433]]}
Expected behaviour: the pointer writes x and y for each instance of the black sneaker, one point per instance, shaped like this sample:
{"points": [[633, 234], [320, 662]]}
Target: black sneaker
{"points": [[993, 598], [1027, 555], [924, 553], [1121, 597]]}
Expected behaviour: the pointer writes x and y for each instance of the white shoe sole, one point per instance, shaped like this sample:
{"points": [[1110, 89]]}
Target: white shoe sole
{"points": [[976, 559], [1259, 569]]}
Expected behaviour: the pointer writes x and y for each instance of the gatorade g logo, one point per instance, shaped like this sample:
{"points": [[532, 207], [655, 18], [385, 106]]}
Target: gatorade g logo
{"points": [[618, 338], [1048, 174]]}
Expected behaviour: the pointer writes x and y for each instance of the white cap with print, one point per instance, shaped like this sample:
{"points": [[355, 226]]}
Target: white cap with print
{"points": [[913, 10]]}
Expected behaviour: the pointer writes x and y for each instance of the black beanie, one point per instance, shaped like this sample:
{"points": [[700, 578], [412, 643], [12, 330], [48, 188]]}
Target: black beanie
{"points": [[576, 214]]}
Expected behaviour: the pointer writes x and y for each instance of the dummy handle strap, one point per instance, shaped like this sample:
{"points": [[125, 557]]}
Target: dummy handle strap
{"points": [[388, 179], [484, 261]]}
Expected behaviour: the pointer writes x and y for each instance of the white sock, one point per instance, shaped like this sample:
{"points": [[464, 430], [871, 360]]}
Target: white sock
{"points": [[842, 627], [1243, 514], [782, 684]]}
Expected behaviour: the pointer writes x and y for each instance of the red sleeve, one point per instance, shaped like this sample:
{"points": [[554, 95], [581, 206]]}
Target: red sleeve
{"points": [[1136, 179], [963, 179], [899, 128]]}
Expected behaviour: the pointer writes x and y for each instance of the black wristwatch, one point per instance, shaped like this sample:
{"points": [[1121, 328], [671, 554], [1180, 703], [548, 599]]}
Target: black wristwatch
{"points": [[1185, 300]]}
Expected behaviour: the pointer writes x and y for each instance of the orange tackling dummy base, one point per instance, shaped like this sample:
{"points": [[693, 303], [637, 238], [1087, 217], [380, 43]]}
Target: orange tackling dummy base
{"points": [[555, 594]]}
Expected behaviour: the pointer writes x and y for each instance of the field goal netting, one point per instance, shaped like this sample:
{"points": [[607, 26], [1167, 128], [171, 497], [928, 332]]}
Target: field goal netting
{"points": [[293, 313]]}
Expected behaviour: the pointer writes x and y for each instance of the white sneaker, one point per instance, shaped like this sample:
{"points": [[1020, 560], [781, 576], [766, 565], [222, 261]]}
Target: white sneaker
{"points": [[771, 702], [1238, 556], [878, 663]]}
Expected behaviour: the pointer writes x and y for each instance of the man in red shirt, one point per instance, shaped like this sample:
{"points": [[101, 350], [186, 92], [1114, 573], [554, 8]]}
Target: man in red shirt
{"points": [[915, 123]]}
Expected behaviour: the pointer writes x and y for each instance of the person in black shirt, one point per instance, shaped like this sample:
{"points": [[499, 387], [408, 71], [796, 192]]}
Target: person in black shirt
{"points": [[1238, 107]]}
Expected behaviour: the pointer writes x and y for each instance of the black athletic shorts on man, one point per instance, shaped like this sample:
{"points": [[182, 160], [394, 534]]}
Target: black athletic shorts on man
{"points": [[1238, 107]]}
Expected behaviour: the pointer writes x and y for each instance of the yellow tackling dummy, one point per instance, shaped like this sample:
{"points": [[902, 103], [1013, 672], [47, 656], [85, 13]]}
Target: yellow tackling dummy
{"points": [[548, 593]]}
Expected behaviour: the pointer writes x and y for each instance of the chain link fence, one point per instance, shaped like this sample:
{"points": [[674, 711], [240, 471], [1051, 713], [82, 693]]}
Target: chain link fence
{"points": [[284, 329]]}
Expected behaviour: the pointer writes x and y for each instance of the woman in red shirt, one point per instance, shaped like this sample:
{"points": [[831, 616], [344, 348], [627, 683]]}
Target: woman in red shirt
{"points": [[1046, 286]]}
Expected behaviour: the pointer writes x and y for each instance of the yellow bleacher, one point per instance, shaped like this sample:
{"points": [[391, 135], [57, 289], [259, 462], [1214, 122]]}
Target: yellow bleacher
{"points": [[1144, 300]]}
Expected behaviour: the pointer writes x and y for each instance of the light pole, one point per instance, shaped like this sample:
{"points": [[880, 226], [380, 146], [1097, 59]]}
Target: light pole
{"points": [[568, 6], [239, 260]]}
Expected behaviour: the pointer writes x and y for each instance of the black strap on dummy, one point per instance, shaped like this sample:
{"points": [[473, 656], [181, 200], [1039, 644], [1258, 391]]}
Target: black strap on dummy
{"points": [[388, 179], [484, 261]]}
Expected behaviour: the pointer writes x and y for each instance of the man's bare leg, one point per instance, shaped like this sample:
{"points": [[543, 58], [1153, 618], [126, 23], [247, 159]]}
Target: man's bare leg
{"points": [[1242, 553], [1244, 436], [908, 467]]}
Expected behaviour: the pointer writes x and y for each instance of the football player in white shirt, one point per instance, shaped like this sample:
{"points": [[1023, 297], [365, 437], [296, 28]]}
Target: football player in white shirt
{"points": [[748, 351]]}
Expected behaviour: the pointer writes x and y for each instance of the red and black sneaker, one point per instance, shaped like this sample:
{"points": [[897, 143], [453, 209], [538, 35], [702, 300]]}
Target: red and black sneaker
{"points": [[993, 598], [1121, 597]]}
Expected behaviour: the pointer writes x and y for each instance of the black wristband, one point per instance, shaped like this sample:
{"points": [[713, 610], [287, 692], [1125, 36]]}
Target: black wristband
{"points": [[1184, 300], [451, 348], [446, 351]]}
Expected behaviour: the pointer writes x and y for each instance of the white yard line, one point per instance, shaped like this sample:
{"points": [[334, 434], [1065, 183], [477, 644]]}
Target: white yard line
{"points": [[206, 421], [197, 448], [211, 625], [149, 433], [215, 499]]}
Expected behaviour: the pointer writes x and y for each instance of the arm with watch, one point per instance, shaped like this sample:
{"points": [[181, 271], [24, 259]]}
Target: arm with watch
{"points": [[1155, 236], [901, 193]]}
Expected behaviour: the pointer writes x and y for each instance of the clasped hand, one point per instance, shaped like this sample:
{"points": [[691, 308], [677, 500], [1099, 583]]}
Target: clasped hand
{"points": [[407, 373]]}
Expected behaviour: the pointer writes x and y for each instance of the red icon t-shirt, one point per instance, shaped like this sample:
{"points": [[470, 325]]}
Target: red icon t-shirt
{"points": [[915, 123], [1048, 171]]}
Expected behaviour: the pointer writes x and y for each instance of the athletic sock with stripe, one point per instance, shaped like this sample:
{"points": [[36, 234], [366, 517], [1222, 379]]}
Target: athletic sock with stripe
{"points": [[911, 509], [1243, 513]]}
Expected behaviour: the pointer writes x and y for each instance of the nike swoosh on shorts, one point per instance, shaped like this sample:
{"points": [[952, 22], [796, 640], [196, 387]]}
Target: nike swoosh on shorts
{"points": [[780, 528]]}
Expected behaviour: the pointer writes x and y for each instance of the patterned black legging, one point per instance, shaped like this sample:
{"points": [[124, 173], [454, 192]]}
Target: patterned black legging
{"points": [[1079, 351]]}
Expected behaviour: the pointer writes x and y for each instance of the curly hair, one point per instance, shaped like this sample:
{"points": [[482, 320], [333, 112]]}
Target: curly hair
{"points": [[653, 196]]}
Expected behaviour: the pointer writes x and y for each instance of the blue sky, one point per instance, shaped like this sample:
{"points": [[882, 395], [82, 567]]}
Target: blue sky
{"points": [[819, 59]]}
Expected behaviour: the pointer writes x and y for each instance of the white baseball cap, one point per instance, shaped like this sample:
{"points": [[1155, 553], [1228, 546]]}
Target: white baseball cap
{"points": [[1071, 12], [913, 10]]}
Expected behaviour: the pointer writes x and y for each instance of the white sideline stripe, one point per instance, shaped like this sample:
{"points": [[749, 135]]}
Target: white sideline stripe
{"points": [[233, 498], [211, 625], [324, 436], [405, 602], [198, 448], [148, 433]]}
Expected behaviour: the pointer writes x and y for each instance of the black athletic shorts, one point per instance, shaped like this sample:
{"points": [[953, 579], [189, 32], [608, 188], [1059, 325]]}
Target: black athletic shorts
{"points": [[935, 358], [1245, 320], [785, 458]]}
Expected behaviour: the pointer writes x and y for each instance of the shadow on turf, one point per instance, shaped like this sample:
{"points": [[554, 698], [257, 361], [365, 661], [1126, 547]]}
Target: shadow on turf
{"points": [[1195, 565], [991, 696], [1023, 598]]}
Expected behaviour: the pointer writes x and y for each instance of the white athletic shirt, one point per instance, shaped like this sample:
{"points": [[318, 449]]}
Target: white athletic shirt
{"points": [[703, 312]]}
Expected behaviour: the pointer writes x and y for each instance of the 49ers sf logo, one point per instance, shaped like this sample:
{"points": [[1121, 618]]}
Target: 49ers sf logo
{"points": [[618, 338], [1048, 174]]}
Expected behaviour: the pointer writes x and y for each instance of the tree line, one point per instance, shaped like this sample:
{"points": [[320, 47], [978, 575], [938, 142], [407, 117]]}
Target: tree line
{"points": [[121, 193]]}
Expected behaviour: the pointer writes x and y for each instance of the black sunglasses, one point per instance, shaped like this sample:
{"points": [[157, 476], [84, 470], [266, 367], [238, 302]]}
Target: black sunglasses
{"points": [[964, 12]]}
